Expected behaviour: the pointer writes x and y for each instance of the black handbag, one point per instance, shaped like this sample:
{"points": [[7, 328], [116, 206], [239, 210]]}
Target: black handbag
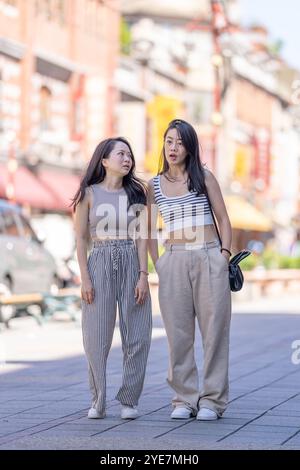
{"points": [[236, 278]]}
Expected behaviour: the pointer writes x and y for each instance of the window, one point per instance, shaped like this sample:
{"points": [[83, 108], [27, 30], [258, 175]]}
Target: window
{"points": [[2, 226], [10, 224], [47, 10], [1, 103], [28, 232], [78, 110], [61, 12], [94, 17], [11, 3], [10, 8], [45, 108], [52, 10]]}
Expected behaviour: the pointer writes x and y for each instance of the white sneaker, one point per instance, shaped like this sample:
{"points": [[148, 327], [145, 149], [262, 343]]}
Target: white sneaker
{"points": [[205, 414], [94, 414], [128, 412], [181, 412]]}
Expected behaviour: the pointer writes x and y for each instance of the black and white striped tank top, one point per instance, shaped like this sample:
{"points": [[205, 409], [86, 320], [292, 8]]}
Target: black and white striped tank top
{"points": [[184, 211]]}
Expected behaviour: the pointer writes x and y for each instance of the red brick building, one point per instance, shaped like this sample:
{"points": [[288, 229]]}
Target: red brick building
{"points": [[57, 99]]}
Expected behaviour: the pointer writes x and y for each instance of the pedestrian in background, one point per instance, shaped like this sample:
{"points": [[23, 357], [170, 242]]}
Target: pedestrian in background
{"points": [[108, 207], [193, 273]]}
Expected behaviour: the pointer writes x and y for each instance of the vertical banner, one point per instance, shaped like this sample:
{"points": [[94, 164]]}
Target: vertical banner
{"points": [[262, 146], [160, 111]]}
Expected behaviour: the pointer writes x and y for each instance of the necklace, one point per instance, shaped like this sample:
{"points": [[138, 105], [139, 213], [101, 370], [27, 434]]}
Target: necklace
{"points": [[173, 179]]}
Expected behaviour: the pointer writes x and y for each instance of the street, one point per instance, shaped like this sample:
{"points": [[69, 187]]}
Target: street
{"points": [[45, 397]]}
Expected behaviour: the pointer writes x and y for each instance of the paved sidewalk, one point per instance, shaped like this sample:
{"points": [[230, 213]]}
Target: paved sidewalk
{"points": [[44, 395]]}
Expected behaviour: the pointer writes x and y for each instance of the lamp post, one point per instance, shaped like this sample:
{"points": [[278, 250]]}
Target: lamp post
{"points": [[12, 166], [218, 26]]}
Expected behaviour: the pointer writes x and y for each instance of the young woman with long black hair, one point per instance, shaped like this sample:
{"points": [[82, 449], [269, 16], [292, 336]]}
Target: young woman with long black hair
{"points": [[193, 273], [110, 206]]}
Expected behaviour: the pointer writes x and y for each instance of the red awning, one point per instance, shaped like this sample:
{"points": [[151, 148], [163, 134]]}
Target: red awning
{"points": [[62, 185], [28, 189]]}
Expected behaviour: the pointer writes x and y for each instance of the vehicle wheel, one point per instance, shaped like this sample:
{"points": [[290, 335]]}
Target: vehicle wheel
{"points": [[6, 311], [55, 285]]}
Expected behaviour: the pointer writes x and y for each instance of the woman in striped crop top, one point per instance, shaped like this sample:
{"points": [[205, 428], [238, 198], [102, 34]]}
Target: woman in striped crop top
{"points": [[193, 273]]}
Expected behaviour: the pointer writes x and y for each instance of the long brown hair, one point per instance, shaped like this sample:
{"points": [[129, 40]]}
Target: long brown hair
{"points": [[95, 173], [193, 165]]}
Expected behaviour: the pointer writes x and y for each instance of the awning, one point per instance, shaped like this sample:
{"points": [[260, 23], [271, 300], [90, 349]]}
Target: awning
{"points": [[61, 185], [245, 216], [28, 189]]}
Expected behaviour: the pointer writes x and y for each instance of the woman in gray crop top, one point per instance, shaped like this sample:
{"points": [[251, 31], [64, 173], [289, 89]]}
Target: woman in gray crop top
{"points": [[193, 274], [110, 206]]}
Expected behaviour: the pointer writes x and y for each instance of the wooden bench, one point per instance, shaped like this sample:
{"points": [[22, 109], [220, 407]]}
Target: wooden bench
{"points": [[43, 306], [264, 278]]}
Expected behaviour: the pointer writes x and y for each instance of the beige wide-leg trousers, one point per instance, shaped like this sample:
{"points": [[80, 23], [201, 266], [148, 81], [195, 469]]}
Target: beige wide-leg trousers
{"points": [[194, 283]]}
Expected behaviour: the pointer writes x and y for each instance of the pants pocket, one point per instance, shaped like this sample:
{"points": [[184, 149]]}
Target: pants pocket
{"points": [[159, 261]]}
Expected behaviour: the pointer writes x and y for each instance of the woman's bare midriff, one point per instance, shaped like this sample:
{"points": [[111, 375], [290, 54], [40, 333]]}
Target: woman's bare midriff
{"points": [[110, 238], [206, 233]]}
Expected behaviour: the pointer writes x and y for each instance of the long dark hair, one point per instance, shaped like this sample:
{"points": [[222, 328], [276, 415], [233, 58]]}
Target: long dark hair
{"points": [[95, 173], [193, 165]]}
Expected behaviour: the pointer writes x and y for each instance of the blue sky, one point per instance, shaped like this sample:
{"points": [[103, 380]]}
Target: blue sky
{"points": [[282, 18]]}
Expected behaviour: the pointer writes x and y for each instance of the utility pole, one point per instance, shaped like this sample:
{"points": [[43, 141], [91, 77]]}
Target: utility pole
{"points": [[218, 26], [12, 166]]}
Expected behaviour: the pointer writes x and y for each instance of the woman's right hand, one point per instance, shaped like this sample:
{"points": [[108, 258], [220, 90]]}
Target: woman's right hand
{"points": [[87, 291]]}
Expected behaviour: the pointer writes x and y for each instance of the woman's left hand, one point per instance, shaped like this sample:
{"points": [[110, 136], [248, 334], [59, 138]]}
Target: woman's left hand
{"points": [[142, 289], [226, 255]]}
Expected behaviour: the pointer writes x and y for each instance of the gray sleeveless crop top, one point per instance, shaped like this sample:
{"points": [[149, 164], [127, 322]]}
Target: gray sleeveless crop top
{"points": [[109, 216]]}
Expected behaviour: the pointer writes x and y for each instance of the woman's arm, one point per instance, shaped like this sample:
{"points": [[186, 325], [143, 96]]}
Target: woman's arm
{"points": [[142, 288], [152, 221], [81, 232], [219, 208]]}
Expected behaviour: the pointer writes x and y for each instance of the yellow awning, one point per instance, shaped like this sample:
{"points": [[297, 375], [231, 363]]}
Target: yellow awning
{"points": [[245, 216]]}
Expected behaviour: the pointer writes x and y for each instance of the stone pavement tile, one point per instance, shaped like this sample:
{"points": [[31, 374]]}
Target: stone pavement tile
{"points": [[249, 408], [253, 440], [288, 406], [241, 414], [12, 420], [22, 404], [271, 429], [59, 406], [269, 392], [142, 423], [212, 433], [56, 432], [195, 438], [51, 416], [65, 398], [12, 409], [237, 421], [294, 441], [280, 412], [279, 421], [17, 427], [15, 417], [279, 437], [53, 396], [107, 443], [161, 415], [9, 395]]}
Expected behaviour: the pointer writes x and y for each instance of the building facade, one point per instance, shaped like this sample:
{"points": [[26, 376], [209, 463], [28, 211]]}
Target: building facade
{"points": [[57, 62]]}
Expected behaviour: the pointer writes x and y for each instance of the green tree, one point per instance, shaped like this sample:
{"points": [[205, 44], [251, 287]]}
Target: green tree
{"points": [[125, 37]]}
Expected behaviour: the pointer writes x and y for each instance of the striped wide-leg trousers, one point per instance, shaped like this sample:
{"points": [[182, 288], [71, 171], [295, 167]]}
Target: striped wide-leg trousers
{"points": [[113, 267]]}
